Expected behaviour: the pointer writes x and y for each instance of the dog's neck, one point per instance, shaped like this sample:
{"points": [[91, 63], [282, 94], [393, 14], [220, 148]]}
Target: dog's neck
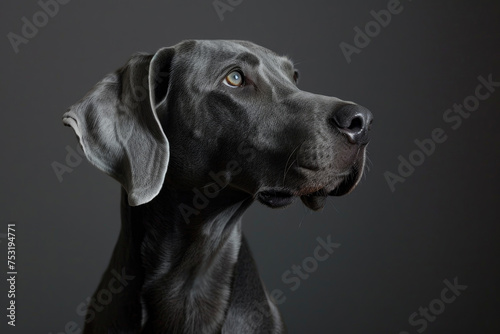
{"points": [[175, 241], [185, 255]]}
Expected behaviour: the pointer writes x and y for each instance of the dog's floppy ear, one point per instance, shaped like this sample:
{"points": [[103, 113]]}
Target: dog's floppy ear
{"points": [[118, 127]]}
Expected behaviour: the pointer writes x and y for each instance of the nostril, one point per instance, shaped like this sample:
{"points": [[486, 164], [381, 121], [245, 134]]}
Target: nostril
{"points": [[354, 121], [356, 124]]}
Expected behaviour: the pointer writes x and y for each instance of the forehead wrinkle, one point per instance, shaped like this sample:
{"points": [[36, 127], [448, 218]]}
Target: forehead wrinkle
{"points": [[279, 70], [248, 58], [272, 78]]}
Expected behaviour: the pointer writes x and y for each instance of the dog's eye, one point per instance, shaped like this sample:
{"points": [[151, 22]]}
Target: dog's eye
{"points": [[234, 79]]}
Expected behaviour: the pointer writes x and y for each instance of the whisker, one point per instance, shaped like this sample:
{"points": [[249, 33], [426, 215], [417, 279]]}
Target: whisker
{"points": [[306, 212], [286, 164], [286, 171]]}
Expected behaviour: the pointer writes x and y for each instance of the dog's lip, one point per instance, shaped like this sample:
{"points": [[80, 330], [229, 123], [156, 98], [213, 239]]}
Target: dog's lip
{"points": [[352, 177], [311, 168], [276, 198], [312, 197], [280, 198], [347, 184], [315, 201]]}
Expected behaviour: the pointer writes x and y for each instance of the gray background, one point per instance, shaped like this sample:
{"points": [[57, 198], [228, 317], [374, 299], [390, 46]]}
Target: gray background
{"points": [[396, 247]]}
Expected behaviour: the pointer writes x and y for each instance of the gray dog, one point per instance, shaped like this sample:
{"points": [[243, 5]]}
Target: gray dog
{"points": [[194, 134]]}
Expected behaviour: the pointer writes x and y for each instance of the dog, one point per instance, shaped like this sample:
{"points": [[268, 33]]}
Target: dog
{"points": [[195, 133]]}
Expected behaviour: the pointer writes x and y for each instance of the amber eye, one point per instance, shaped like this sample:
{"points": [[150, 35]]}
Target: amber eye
{"points": [[234, 79]]}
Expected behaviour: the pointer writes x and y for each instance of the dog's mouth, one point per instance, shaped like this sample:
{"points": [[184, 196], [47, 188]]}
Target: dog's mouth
{"points": [[276, 198], [283, 198], [313, 198]]}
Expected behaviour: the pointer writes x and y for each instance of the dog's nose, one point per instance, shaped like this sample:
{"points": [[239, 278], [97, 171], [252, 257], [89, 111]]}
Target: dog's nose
{"points": [[354, 121]]}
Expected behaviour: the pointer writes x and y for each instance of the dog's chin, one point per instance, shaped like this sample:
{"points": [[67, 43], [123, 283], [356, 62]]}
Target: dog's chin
{"points": [[276, 198], [314, 200], [282, 198]]}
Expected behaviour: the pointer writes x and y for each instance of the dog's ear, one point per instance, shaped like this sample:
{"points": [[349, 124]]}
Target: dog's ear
{"points": [[118, 128]]}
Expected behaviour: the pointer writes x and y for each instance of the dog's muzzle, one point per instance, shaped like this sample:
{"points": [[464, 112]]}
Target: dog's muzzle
{"points": [[351, 121]]}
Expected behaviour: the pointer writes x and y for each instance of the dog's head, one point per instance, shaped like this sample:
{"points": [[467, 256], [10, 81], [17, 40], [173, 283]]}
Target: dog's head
{"points": [[221, 112]]}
